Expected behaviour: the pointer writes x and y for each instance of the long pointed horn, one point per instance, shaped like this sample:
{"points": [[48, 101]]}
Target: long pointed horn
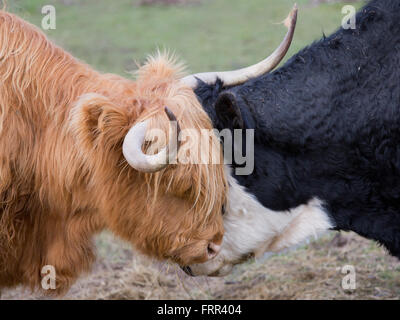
{"points": [[230, 78], [132, 147]]}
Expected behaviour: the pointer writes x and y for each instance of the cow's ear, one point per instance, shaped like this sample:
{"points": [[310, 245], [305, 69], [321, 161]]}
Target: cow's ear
{"points": [[231, 113], [96, 122]]}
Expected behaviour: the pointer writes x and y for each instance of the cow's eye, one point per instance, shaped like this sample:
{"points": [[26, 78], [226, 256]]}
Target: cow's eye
{"points": [[223, 209]]}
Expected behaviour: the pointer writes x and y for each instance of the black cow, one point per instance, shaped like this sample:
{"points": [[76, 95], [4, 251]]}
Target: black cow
{"points": [[327, 142]]}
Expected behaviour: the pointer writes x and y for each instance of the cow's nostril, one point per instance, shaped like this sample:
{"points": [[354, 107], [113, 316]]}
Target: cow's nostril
{"points": [[213, 249]]}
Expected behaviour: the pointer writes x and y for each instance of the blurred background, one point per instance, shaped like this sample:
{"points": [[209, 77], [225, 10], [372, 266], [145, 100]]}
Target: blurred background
{"points": [[206, 34], [209, 35]]}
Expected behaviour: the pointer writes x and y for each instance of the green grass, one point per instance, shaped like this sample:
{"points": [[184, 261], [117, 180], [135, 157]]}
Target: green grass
{"points": [[208, 35]]}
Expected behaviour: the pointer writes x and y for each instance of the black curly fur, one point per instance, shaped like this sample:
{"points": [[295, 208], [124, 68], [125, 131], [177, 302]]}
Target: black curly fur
{"points": [[327, 125]]}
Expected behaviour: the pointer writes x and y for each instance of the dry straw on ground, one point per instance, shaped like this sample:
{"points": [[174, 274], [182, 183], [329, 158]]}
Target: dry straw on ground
{"points": [[312, 271]]}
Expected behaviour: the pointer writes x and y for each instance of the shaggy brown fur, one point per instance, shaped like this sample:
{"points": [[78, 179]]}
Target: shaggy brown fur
{"points": [[62, 173]]}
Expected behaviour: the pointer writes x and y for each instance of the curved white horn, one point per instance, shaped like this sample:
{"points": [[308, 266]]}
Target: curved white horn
{"points": [[230, 78], [132, 147]]}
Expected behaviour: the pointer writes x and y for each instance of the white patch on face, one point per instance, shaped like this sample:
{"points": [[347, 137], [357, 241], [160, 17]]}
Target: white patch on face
{"points": [[250, 228]]}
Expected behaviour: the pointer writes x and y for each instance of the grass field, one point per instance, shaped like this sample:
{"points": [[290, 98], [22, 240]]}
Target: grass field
{"points": [[209, 34]]}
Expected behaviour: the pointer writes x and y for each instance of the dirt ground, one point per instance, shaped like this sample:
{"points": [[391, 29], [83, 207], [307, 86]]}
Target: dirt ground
{"points": [[312, 271]]}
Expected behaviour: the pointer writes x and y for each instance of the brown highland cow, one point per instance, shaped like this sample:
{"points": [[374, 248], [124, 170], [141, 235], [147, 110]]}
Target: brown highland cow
{"points": [[73, 162]]}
